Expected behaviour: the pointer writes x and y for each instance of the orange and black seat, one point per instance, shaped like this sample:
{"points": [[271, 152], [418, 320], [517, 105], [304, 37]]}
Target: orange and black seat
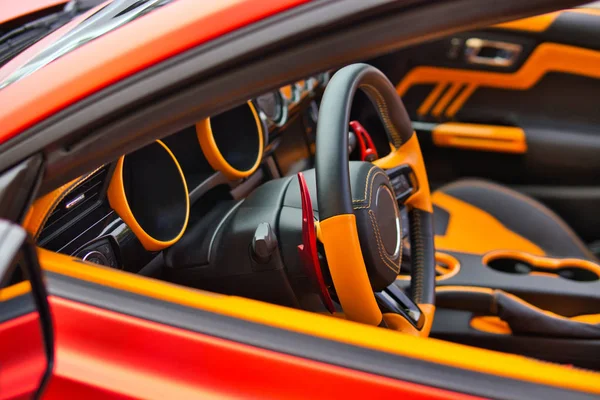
{"points": [[477, 216]]}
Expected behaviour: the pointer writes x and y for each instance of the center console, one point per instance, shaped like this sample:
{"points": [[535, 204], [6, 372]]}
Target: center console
{"points": [[564, 289]]}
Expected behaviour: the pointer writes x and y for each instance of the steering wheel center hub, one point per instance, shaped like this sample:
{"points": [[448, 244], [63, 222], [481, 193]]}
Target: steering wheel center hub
{"points": [[377, 222], [388, 220]]}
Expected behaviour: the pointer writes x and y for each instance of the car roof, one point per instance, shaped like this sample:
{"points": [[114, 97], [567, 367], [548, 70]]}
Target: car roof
{"points": [[157, 36]]}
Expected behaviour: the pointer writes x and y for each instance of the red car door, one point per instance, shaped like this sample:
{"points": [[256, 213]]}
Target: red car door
{"points": [[144, 343]]}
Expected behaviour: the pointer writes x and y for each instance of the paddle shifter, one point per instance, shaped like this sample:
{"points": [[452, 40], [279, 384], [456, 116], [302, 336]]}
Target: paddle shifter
{"points": [[308, 248], [367, 148]]}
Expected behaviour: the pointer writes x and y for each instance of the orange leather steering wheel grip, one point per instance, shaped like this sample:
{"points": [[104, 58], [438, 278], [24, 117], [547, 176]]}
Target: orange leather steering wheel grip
{"points": [[348, 270]]}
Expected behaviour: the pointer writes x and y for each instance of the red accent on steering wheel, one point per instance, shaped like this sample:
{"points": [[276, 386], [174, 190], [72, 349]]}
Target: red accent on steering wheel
{"points": [[367, 148], [308, 250]]}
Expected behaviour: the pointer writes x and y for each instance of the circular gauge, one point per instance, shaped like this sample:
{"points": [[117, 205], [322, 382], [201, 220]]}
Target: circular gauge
{"points": [[149, 192], [233, 141], [271, 104]]}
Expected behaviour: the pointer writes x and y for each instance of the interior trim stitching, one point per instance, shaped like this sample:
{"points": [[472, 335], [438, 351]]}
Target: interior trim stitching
{"points": [[369, 186], [382, 253], [382, 106], [419, 260]]}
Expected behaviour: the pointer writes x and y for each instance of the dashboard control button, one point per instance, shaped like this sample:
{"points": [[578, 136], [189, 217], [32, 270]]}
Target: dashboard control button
{"points": [[402, 181]]}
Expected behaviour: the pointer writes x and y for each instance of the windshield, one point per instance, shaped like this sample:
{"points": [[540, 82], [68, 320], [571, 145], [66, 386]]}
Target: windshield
{"points": [[111, 16]]}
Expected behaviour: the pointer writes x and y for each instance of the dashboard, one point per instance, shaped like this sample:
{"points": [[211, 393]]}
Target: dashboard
{"points": [[124, 214]]}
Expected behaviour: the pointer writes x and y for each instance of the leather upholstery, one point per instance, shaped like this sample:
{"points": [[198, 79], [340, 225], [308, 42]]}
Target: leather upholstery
{"points": [[423, 255], [520, 214], [380, 242], [522, 317], [332, 130]]}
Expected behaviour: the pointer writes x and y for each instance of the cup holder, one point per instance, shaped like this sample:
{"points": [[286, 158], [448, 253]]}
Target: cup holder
{"points": [[526, 264]]}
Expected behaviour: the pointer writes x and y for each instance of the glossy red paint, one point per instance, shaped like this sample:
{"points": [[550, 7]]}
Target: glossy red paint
{"points": [[103, 354], [22, 357], [165, 32], [308, 248], [12, 9], [368, 152]]}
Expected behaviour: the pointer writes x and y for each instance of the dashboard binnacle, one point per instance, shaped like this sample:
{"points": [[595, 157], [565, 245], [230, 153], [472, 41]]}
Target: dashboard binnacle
{"points": [[124, 214]]}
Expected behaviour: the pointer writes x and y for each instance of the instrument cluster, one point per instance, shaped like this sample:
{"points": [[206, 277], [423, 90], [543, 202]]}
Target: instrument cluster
{"points": [[124, 214]]}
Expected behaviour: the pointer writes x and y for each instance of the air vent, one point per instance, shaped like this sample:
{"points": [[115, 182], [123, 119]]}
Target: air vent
{"points": [[83, 198]]}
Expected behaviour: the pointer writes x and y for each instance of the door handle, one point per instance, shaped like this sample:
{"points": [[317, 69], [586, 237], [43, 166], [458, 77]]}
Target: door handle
{"points": [[490, 52]]}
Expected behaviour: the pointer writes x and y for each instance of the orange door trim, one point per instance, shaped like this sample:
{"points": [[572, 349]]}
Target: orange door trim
{"points": [[547, 57], [541, 23], [505, 139]]}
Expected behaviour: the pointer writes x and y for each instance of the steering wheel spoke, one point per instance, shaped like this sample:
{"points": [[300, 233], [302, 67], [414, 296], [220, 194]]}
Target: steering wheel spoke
{"points": [[403, 181]]}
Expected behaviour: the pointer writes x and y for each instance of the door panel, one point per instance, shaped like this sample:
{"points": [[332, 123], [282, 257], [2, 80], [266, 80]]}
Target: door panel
{"points": [[169, 362], [525, 113]]}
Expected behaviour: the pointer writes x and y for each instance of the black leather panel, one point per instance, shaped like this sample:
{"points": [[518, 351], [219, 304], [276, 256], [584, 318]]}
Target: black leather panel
{"points": [[377, 222], [522, 215], [332, 130], [441, 218], [366, 178], [576, 29], [422, 273], [522, 317], [476, 301], [526, 320]]}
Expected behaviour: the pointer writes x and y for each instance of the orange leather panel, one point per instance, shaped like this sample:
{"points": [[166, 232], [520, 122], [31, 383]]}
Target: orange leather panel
{"points": [[431, 98], [441, 105], [15, 290], [400, 324], [503, 139], [41, 209], [490, 324], [347, 268], [590, 318], [495, 325], [410, 153], [539, 23], [471, 230]]}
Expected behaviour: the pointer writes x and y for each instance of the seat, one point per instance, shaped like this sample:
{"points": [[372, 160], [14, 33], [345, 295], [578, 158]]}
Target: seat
{"points": [[477, 216]]}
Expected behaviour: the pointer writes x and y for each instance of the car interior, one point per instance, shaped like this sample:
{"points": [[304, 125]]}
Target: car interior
{"points": [[475, 153]]}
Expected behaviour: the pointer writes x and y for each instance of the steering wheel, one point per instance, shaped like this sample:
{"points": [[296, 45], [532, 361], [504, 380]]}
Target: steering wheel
{"points": [[359, 215]]}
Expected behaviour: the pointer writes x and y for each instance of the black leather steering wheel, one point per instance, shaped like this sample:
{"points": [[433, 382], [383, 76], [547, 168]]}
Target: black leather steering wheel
{"points": [[358, 209]]}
